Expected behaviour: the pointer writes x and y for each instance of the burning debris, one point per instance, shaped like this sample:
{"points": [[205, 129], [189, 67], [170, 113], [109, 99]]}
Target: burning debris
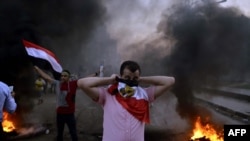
{"points": [[205, 132], [201, 139], [25, 131], [7, 124]]}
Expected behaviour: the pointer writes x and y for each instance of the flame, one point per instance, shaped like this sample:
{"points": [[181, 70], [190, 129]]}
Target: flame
{"points": [[207, 131], [8, 125]]}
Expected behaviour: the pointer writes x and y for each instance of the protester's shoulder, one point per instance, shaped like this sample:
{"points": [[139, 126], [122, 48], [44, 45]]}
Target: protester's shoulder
{"points": [[4, 87], [103, 90], [73, 81], [3, 84], [104, 87], [149, 89], [103, 94]]}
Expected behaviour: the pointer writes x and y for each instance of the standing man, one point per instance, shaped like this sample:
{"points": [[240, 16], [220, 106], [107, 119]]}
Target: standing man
{"points": [[7, 102], [66, 91], [40, 86], [125, 103]]}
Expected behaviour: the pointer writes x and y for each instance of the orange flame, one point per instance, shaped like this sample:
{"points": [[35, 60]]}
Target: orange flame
{"points": [[207, 131], [8, 125]]}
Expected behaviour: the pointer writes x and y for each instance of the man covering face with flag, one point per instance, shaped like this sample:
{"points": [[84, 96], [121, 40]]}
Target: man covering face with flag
{"points": [[132, 97], [125, 103]]}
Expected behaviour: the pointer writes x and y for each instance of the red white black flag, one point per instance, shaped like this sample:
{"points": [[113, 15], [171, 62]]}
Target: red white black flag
{"points": [[44, 54]]}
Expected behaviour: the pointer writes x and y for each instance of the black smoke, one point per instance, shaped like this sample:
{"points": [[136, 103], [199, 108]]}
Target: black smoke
{"points": [[212, 48], [49, 23]]}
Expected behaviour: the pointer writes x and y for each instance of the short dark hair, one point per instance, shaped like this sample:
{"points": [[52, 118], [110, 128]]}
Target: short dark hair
{"points": [[131, 65], [67, 71]]}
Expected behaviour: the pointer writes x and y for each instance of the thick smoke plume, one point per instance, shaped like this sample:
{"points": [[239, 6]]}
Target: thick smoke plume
{"points": [[201, 43], [133, 25], [211, 49], [60, 25]]}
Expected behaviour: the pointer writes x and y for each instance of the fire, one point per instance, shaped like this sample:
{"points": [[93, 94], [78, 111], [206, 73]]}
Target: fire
{"points": [[205, 132], [8, 125]]}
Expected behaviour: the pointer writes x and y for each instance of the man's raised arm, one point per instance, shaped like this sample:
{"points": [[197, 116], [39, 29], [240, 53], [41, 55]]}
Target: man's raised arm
{"points": [[162, 83], [90, 85], [43, 74]]}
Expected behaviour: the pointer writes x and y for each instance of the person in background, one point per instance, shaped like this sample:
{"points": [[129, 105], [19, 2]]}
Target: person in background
{"points": [[40, 87], [125, 103], [7, 103], [65, 89]]}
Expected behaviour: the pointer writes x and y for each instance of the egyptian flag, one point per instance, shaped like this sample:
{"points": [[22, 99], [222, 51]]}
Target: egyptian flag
{"points": [[43, 58], [133, 98]]}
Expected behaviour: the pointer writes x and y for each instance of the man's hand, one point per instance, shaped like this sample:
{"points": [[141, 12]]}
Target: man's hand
{"points": [[114, 78]]}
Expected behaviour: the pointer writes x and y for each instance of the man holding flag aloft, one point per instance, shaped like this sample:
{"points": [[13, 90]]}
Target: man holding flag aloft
{"points": [[65, 92], [65, 88]]}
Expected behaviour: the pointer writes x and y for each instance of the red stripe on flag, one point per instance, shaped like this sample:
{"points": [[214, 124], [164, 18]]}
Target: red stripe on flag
{"points": [[28, 44], [42, 53]]}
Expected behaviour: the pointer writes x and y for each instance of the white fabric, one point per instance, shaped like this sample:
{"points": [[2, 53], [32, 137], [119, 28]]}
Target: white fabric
{"points": [[43, 55], [140, 93]]}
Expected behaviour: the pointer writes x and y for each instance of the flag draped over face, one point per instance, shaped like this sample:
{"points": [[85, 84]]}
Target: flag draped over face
{"points": [[38, 52]]}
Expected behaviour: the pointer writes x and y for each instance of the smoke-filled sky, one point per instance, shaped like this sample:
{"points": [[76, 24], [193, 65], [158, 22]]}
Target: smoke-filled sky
{"points": [[86, 32], [199, 42], [192, 41], [211, 47]]}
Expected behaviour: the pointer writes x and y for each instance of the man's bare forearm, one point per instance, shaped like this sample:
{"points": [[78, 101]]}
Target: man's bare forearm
{"points": [[43, 74], [94, 81], [157, 80], [161, 83], [90, 85]]}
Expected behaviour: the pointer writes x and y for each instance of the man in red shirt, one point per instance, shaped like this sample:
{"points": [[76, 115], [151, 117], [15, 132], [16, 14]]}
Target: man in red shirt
{"points": [[66, 92]]}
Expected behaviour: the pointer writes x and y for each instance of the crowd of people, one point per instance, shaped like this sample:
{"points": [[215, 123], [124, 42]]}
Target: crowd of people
{"points": [[125, 102]]}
